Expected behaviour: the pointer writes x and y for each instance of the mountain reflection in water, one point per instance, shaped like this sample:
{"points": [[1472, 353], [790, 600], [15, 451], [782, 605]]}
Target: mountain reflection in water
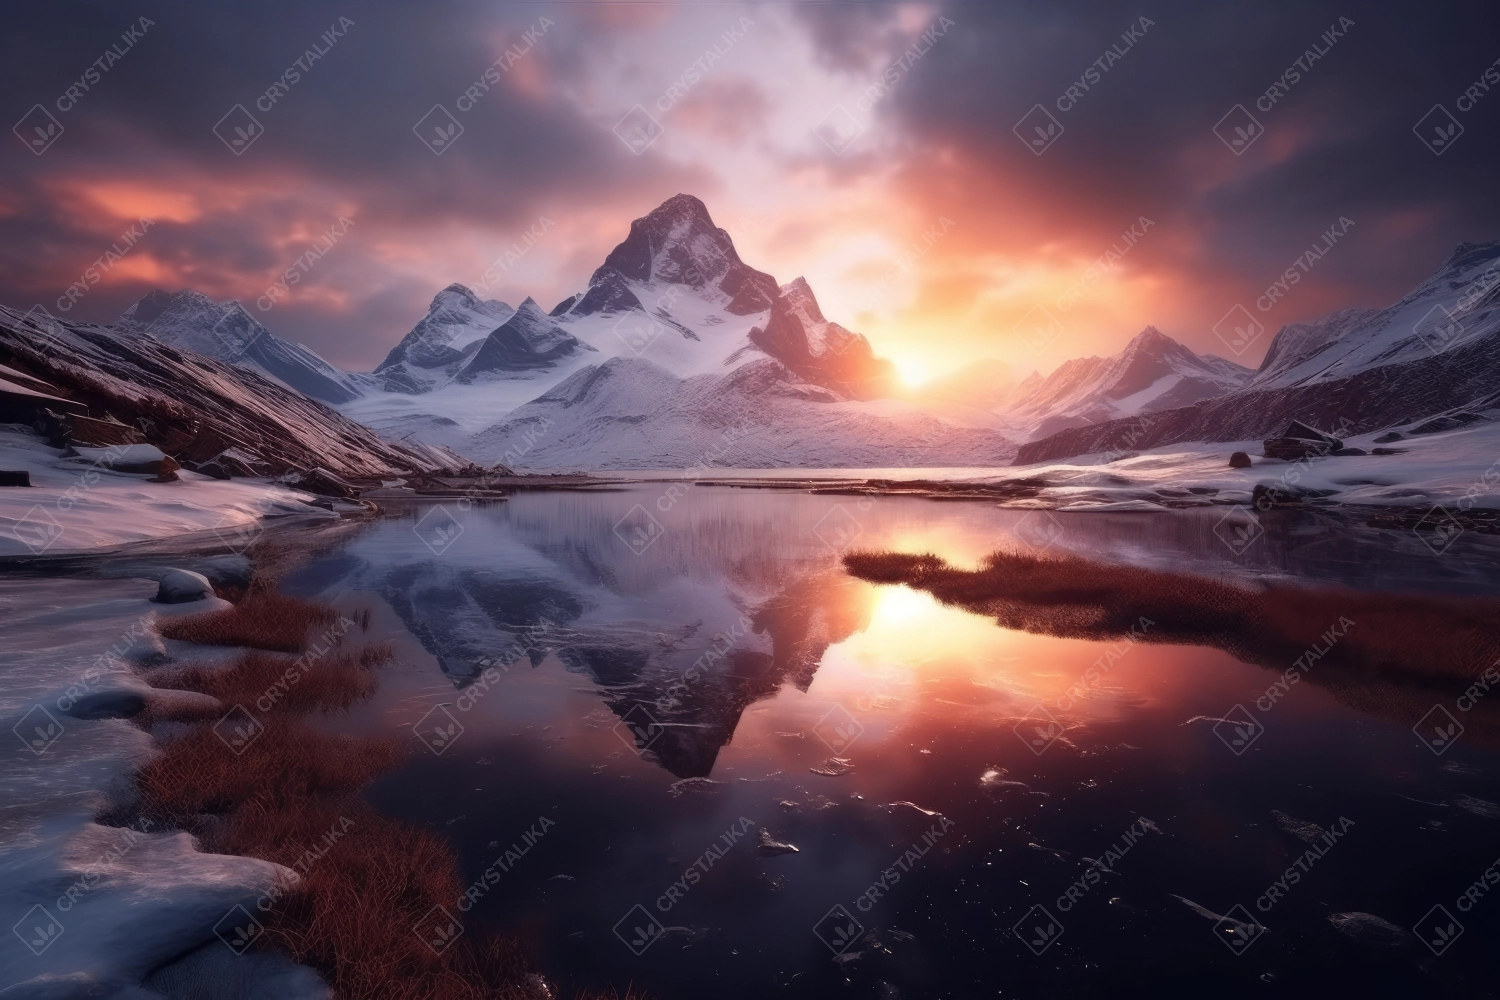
{"points": [[592, 680]]}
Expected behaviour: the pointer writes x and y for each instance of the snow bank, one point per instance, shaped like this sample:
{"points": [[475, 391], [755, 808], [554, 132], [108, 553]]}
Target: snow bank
{"points": [[74, 505], [1454, 468], [94, 908]]}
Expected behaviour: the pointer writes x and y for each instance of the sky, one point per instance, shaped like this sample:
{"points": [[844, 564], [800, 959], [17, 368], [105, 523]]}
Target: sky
{"points": [[957, 181]]}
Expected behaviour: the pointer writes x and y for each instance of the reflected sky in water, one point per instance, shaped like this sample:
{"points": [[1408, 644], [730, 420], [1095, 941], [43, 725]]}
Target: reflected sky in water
{"points": [[551, 623]]}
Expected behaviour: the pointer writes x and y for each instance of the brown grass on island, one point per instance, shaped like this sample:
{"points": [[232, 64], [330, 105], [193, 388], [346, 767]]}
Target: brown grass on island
{"points": [[1433, 637], [363, 882], [1395, 653]]}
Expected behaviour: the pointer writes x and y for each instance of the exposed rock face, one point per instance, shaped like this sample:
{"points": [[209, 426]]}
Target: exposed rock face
{"points": [[1239, 460], [325, 484], [677, 243], [821, 352]]}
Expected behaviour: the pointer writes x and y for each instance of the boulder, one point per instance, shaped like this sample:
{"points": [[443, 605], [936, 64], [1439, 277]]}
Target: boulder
{"points": [[1297, 429], [1348, 452], [1388, 437], [325, 483], [1239, 460], [1389, 451], [15, 478], [1370, 930], [1301, 441], [181, 586]]}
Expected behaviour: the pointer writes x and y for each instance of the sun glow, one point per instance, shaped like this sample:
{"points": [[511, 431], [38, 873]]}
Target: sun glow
{"points": [[912, 373]]}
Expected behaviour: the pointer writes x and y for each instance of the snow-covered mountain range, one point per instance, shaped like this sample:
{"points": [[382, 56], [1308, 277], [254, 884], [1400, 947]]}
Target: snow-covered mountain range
{"points": [[1435, 352], [675, 351], [678, 354]]}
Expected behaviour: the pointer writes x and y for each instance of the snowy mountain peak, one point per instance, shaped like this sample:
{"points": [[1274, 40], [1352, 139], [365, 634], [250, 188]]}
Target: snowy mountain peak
{"points": [[528, 340], [799, 297], [1469, 255], [677, 243], [1151, 340], [458, 297], [456, 323], [1459, 304], [1153, 372]]}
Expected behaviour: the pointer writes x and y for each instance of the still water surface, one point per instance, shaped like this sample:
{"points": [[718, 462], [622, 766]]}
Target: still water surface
{"points": [[895, 742]]}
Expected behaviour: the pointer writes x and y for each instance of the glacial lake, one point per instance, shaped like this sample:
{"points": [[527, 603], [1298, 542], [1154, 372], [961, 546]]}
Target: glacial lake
{"points": [[609, 695]]}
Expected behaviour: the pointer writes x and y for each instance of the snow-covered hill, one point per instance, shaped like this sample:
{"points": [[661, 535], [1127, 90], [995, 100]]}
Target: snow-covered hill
{"points": [[192, 321]]}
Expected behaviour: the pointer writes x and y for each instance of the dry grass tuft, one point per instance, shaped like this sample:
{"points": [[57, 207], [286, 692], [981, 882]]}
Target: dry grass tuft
{"points": [[284, 766], [260, 681], [261, 620]]}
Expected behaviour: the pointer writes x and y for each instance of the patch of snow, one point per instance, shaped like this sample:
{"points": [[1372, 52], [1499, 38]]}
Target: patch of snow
{"points": [[73, 507]]}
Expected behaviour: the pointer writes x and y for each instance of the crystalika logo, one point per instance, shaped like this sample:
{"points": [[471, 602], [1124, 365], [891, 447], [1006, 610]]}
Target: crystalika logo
{"points": [[639, 929], [838, 929], [1038, 930]]}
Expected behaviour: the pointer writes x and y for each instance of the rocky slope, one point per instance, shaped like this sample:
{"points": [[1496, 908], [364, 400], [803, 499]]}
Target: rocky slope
{"points": [[197, 408]]}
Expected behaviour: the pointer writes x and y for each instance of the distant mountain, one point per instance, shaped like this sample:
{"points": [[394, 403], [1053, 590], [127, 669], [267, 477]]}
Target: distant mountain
{"points": [[1153, 372], [193, 322], [671, 325], [1357, 370], [195, 407]]}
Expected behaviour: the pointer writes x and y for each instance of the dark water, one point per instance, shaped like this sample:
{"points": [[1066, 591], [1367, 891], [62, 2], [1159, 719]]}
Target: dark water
{"points": [[746, 657]]}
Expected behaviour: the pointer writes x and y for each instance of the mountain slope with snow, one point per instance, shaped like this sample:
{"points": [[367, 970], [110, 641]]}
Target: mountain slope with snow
{"points": [[629, 413], [191, 321], [1356, 371], [1153, 372]]}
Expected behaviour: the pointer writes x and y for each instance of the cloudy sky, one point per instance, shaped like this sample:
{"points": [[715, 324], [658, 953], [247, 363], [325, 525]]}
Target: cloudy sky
{"points": [[889, 152]]}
